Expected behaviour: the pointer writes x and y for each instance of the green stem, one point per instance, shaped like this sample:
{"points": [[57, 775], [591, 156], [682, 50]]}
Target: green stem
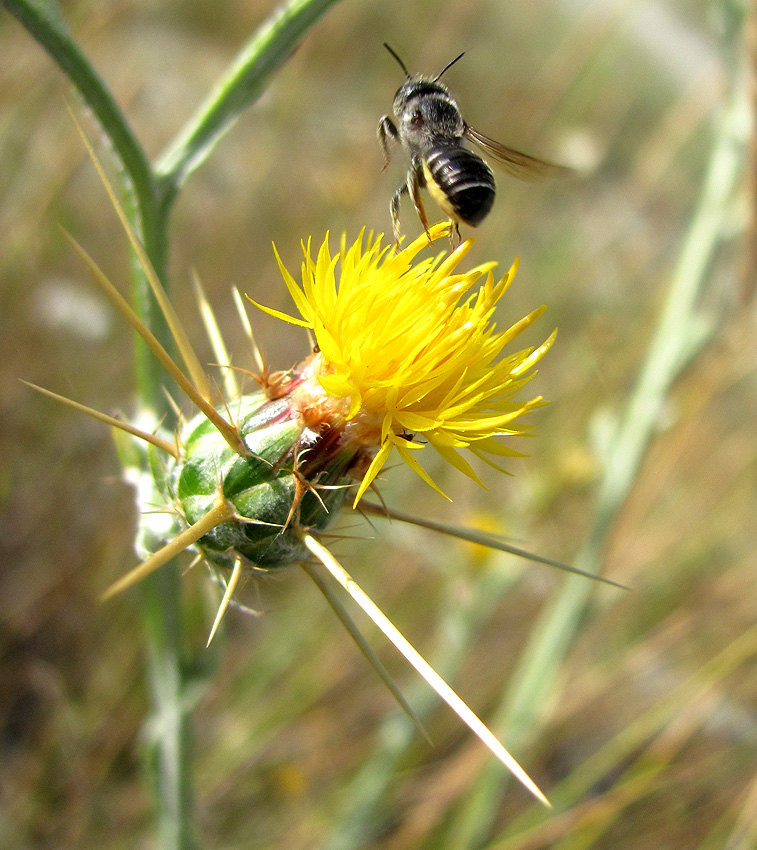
{"points": [[44, 22], [269, 48], [170, 753], [149, 376], [676, 340], [42, 19], [161, 600], [149, 196]]}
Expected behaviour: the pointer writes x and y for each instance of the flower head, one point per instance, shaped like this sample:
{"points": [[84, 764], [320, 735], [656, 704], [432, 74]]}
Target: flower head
{"points": [[408, 349]]}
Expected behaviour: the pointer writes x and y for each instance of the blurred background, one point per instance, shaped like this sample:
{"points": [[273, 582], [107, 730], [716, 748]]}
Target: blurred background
{"points": [[645, 727]]}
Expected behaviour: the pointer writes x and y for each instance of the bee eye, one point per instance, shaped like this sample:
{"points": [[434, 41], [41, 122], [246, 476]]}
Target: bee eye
{"points": [[416, 119]]}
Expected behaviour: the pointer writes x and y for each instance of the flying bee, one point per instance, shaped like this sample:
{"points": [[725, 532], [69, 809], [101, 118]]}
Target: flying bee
{"points": [[431, 128]]}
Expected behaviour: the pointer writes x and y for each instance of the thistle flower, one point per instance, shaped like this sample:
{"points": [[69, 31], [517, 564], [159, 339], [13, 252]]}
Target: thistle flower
{"points": [[407, 350], [406, 355]]}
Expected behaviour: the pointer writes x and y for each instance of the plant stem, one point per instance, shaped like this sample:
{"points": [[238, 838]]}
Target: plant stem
{"points": [[269, 48], [149, 196], [170, 754], [44, 22]]}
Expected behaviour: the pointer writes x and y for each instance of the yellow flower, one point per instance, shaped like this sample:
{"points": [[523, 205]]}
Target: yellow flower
{"points": [[409, 348]]}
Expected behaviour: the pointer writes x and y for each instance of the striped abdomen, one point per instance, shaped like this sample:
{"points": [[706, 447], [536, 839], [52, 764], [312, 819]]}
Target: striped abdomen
{"points": [[460, 182]]}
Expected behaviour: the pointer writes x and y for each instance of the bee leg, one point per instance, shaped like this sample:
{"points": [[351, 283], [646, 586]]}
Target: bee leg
{"points": [[454, 234], [414, 187], [395, 210], [386, 130]]}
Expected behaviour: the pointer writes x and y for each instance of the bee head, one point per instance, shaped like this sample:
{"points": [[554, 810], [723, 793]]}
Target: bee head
{"points": [[427, 112], [424, 108]]}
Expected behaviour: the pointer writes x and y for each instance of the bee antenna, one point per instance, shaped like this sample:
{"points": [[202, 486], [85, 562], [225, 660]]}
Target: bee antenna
{"points": [[401, 63], [449, 65]]}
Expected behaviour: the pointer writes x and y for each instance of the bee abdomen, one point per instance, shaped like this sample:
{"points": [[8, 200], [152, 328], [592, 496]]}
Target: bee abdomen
{"points": [[464, 183]]}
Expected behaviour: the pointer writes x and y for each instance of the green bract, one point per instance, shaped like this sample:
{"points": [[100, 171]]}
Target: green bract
{"points": [[260, 488]]}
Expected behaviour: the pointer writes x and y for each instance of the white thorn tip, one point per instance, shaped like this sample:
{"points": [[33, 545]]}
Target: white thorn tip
{"points": [[422, 666], [227, 596]]}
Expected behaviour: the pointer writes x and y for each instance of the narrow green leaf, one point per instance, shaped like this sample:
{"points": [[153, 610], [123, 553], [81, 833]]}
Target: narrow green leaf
{"points": [[44, 21], [271, 45], [492, 541]]}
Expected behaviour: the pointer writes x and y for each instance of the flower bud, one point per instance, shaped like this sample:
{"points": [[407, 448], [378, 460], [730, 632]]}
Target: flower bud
{"points": [[289, 470]]}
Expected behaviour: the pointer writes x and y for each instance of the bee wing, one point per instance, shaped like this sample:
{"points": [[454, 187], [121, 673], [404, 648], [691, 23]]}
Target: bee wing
{"points": [[515, 163]]}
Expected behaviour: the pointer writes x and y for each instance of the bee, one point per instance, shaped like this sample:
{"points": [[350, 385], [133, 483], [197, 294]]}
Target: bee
{"points": [[431, 129]]}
